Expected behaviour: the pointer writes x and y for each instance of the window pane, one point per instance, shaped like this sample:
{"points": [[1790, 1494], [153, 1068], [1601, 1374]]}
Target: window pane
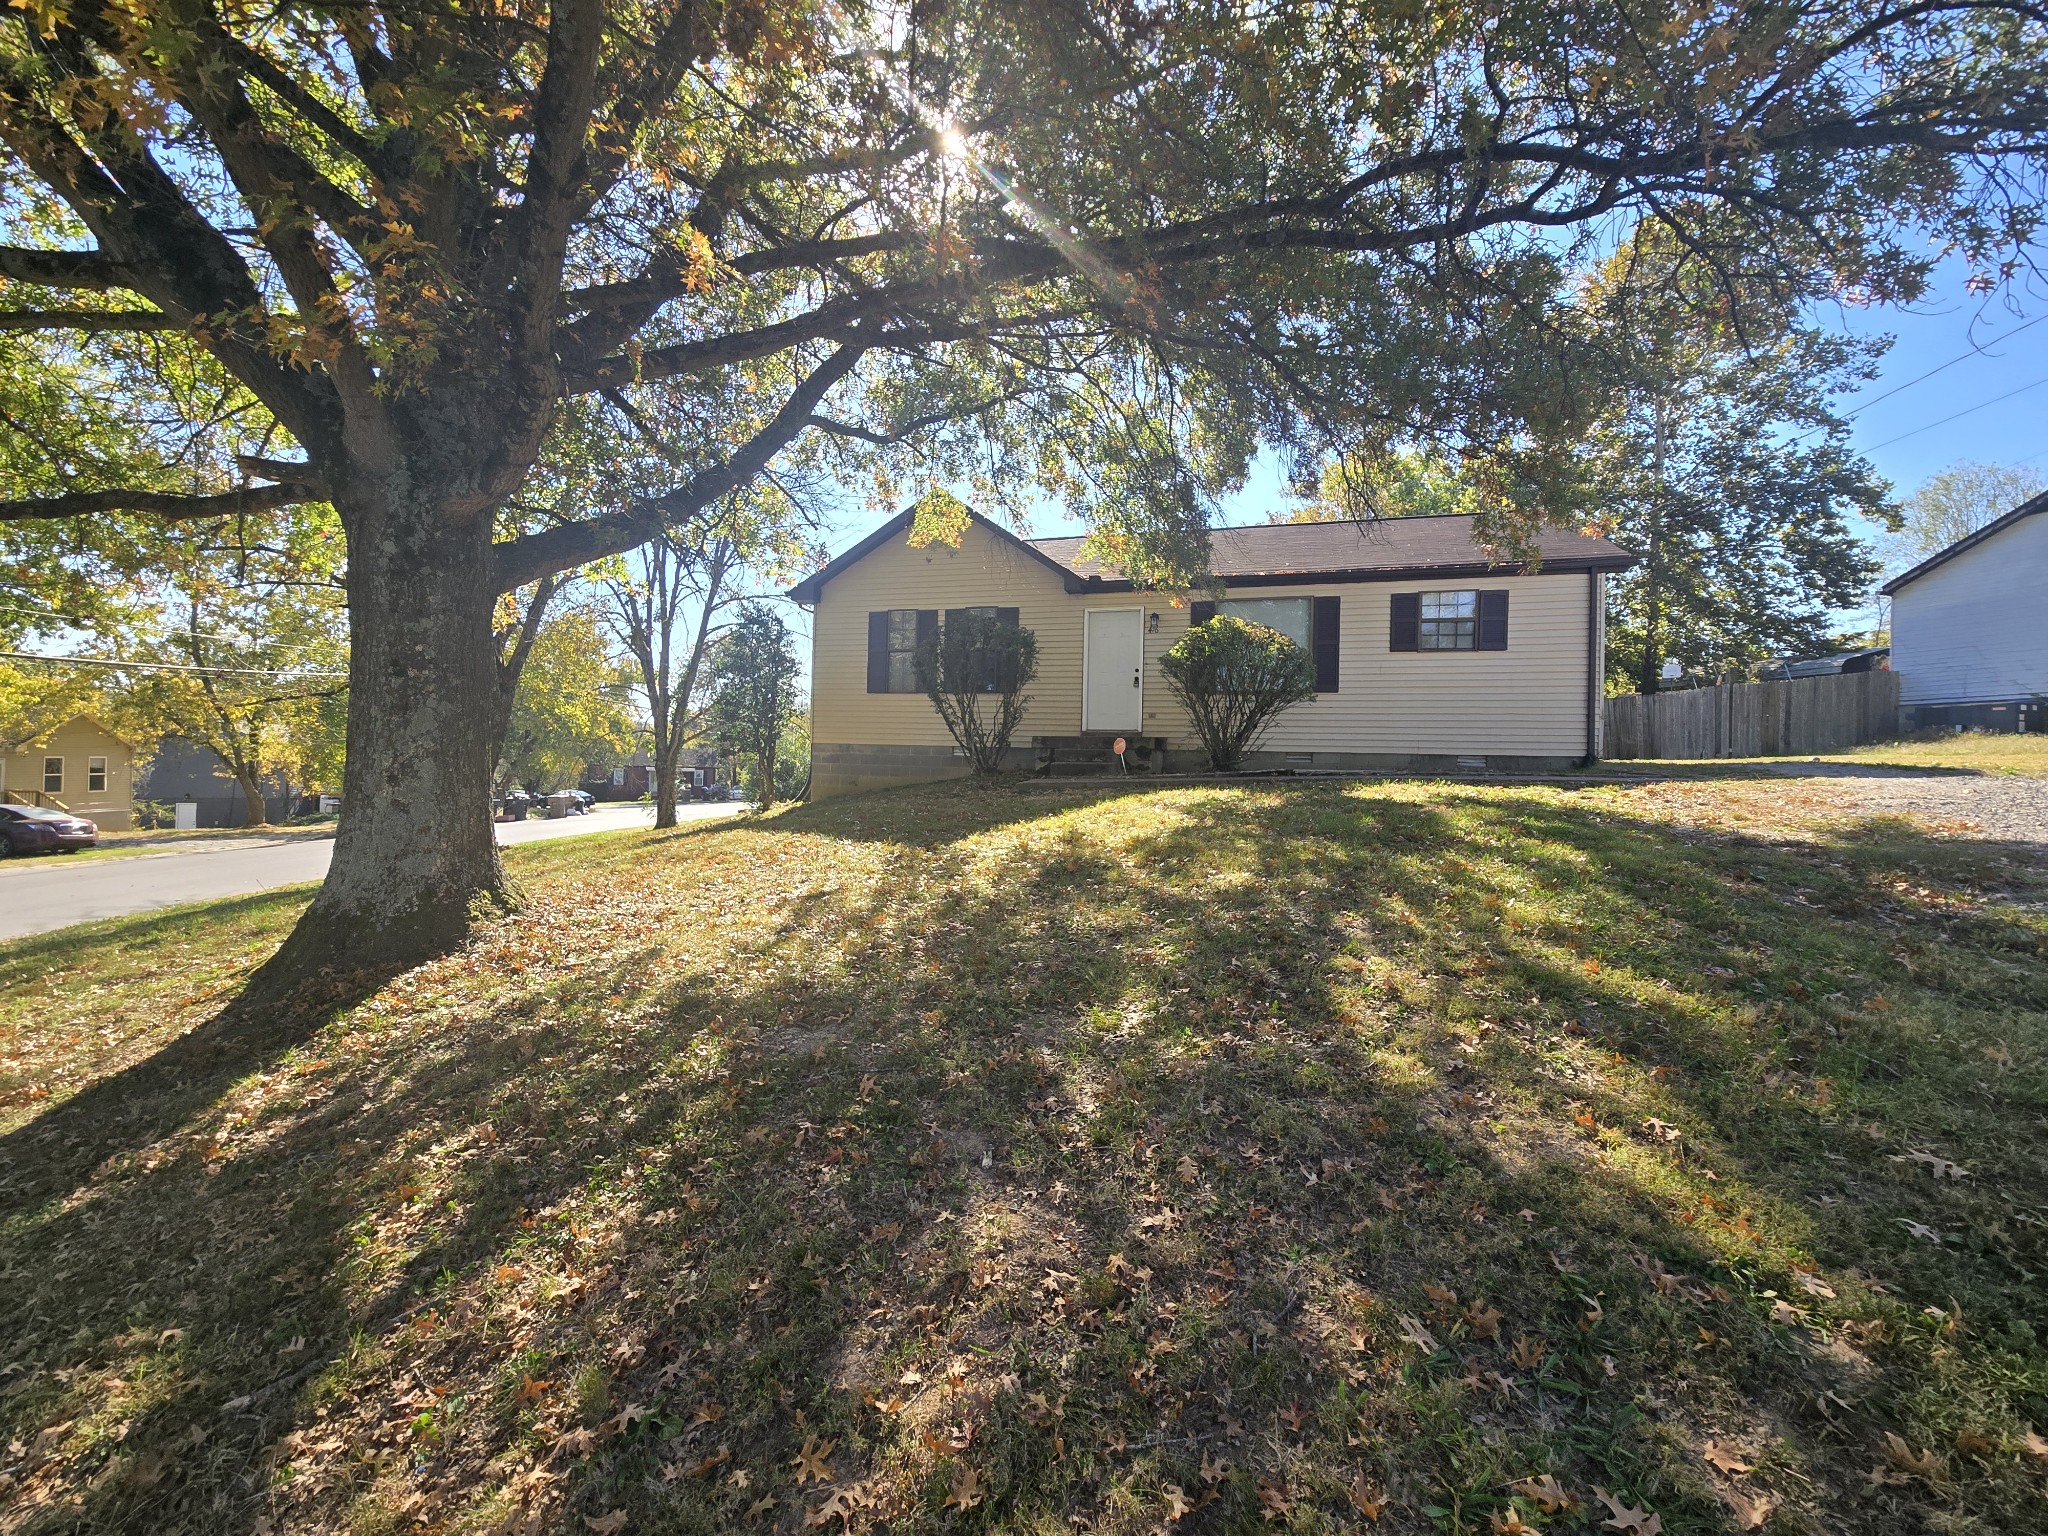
{"points": [[96, 775], [1450, 605], [1289, 615], [53, 775], [902, 629], [903, 670]]}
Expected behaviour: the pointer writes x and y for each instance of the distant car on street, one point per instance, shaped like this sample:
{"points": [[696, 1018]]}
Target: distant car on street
{"points": [[37, 829]]}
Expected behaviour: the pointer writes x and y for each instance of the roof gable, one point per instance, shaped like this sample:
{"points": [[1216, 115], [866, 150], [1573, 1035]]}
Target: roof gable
{"points": [[812, 587], [2025, 509]]}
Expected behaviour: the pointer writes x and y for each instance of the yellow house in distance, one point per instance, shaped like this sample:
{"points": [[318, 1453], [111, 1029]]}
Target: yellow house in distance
{"points": [[80, 767], [1431, 652]]}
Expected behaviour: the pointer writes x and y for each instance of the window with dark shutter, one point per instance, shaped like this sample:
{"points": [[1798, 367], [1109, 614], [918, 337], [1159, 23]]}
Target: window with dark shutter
{"points": [[1200, 613], [1325, 647], [1405, 629], [1493, 621], [894, 634]]}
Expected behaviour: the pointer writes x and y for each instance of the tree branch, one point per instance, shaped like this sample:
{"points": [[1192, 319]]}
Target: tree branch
{"points": [[534, 555], [94, 270], [169, 505], [89, 320]]}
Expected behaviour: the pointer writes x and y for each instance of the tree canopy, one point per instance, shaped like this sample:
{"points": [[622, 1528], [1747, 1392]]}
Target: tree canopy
{"points": [[1955, 502], [1100, 250]]}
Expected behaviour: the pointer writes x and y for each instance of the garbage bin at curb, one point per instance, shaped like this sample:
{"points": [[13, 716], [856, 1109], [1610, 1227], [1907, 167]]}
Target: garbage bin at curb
{"points": [[559, 803]]}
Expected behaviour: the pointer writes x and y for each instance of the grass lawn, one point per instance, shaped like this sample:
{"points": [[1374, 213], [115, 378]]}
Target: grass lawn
{"points": [[1292, 1157], [1968, 752]]}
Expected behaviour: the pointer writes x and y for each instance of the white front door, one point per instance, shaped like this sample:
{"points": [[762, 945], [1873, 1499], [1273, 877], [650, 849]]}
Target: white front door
{"points": [[1113, 670]]}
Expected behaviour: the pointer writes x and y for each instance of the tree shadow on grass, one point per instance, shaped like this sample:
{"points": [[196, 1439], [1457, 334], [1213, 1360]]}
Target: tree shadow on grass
{"points": [[1083, 1145]]}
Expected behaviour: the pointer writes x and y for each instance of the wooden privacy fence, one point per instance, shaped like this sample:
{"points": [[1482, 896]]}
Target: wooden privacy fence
{"points": [[1799, 715]]}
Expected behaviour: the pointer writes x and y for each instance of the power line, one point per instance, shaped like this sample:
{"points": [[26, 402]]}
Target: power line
{"points": [[1930, 373], [161, 666], [1958, 415]]}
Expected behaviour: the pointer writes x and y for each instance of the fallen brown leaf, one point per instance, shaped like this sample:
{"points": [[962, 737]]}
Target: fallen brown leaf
{"points": [[1369, 1499], [1724, 1460], [967, 1490], [1631, 1522], [812, 1465], [1550, 1495]]}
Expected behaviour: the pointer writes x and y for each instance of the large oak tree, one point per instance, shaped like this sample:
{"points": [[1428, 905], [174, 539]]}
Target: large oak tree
{"points": [[1103, 245]]}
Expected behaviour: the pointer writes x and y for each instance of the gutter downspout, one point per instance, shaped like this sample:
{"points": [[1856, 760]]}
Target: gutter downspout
{"points": [[1593, 668]]}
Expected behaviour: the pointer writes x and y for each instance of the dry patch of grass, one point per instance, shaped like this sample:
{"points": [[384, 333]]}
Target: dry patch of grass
{"points": [[1290, 1157]]}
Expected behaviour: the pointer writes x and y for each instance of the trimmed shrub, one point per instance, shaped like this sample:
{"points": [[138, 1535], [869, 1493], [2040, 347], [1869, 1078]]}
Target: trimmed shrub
{"points": [[1235, 678], [975, 671]]}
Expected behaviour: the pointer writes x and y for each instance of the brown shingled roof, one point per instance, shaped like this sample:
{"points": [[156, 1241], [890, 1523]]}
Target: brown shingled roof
{"points": [[1384, 549], [1276, 554]]}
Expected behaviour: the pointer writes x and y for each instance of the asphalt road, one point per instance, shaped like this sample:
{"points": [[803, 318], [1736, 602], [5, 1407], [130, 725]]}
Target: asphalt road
{"points": [[39, 895]]}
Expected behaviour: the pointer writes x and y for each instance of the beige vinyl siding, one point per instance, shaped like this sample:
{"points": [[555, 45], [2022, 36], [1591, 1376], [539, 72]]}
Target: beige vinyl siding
{"points": [[983, 570], [1526, 701]]}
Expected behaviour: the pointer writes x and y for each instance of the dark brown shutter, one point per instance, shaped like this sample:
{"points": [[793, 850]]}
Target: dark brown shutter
{"points": [[1003, 677], [927, 631], [1200, 613], [1493, 621], [1324, 633], [878, 652], [1405, 631]]}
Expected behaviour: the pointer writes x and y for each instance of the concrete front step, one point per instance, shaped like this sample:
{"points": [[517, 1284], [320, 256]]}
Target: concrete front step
{"points": [[1092, 754]]}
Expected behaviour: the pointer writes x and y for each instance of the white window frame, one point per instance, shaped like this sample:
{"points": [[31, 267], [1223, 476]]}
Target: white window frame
{"points": [[96, 768], [58, 789], [1465, 597]]}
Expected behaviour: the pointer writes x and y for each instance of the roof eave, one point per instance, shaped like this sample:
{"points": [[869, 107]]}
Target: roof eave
{"points": [[1968, 541], [1353, 575]]}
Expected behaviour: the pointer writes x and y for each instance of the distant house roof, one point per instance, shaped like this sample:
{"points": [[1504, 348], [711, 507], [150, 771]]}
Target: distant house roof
{"points": [[1277, 554], [1969, 541]]}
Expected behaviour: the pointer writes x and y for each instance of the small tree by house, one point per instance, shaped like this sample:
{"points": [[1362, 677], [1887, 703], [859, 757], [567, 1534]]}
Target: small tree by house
{"points": [[975, 671], [754, 675], [1235, 678]]}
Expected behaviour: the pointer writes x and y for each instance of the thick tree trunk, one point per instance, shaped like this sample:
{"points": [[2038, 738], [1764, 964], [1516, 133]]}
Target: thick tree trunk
{"points": [[252, 795], [415, 860]]}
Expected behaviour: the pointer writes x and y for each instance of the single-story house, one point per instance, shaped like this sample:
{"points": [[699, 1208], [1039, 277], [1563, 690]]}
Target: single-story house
{"points": [[1970, 628], [635, 777], [1430, 652], [80, 766]]}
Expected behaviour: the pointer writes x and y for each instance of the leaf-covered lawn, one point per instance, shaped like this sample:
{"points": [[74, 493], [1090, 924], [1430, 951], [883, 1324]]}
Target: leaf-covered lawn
{"points": [[1400, 1157]]}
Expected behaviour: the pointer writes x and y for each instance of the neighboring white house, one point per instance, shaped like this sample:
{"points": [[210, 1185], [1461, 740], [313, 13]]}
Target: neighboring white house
{"points": [[1970, 628]]}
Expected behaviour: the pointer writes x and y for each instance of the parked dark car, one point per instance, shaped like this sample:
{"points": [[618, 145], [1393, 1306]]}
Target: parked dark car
{"points": [[34, 829]]}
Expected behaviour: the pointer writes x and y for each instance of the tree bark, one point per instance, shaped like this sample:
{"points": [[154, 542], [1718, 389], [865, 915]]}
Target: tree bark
{"points": [[252, 795], [415, 860], [664, 776]]}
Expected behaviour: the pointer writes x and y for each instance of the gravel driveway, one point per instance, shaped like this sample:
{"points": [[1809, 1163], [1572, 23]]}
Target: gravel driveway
{"points": [[2000, 807]]}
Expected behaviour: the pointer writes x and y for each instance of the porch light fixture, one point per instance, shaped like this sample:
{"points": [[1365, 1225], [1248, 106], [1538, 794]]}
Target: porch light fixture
{"points": [[1152, 622]]}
